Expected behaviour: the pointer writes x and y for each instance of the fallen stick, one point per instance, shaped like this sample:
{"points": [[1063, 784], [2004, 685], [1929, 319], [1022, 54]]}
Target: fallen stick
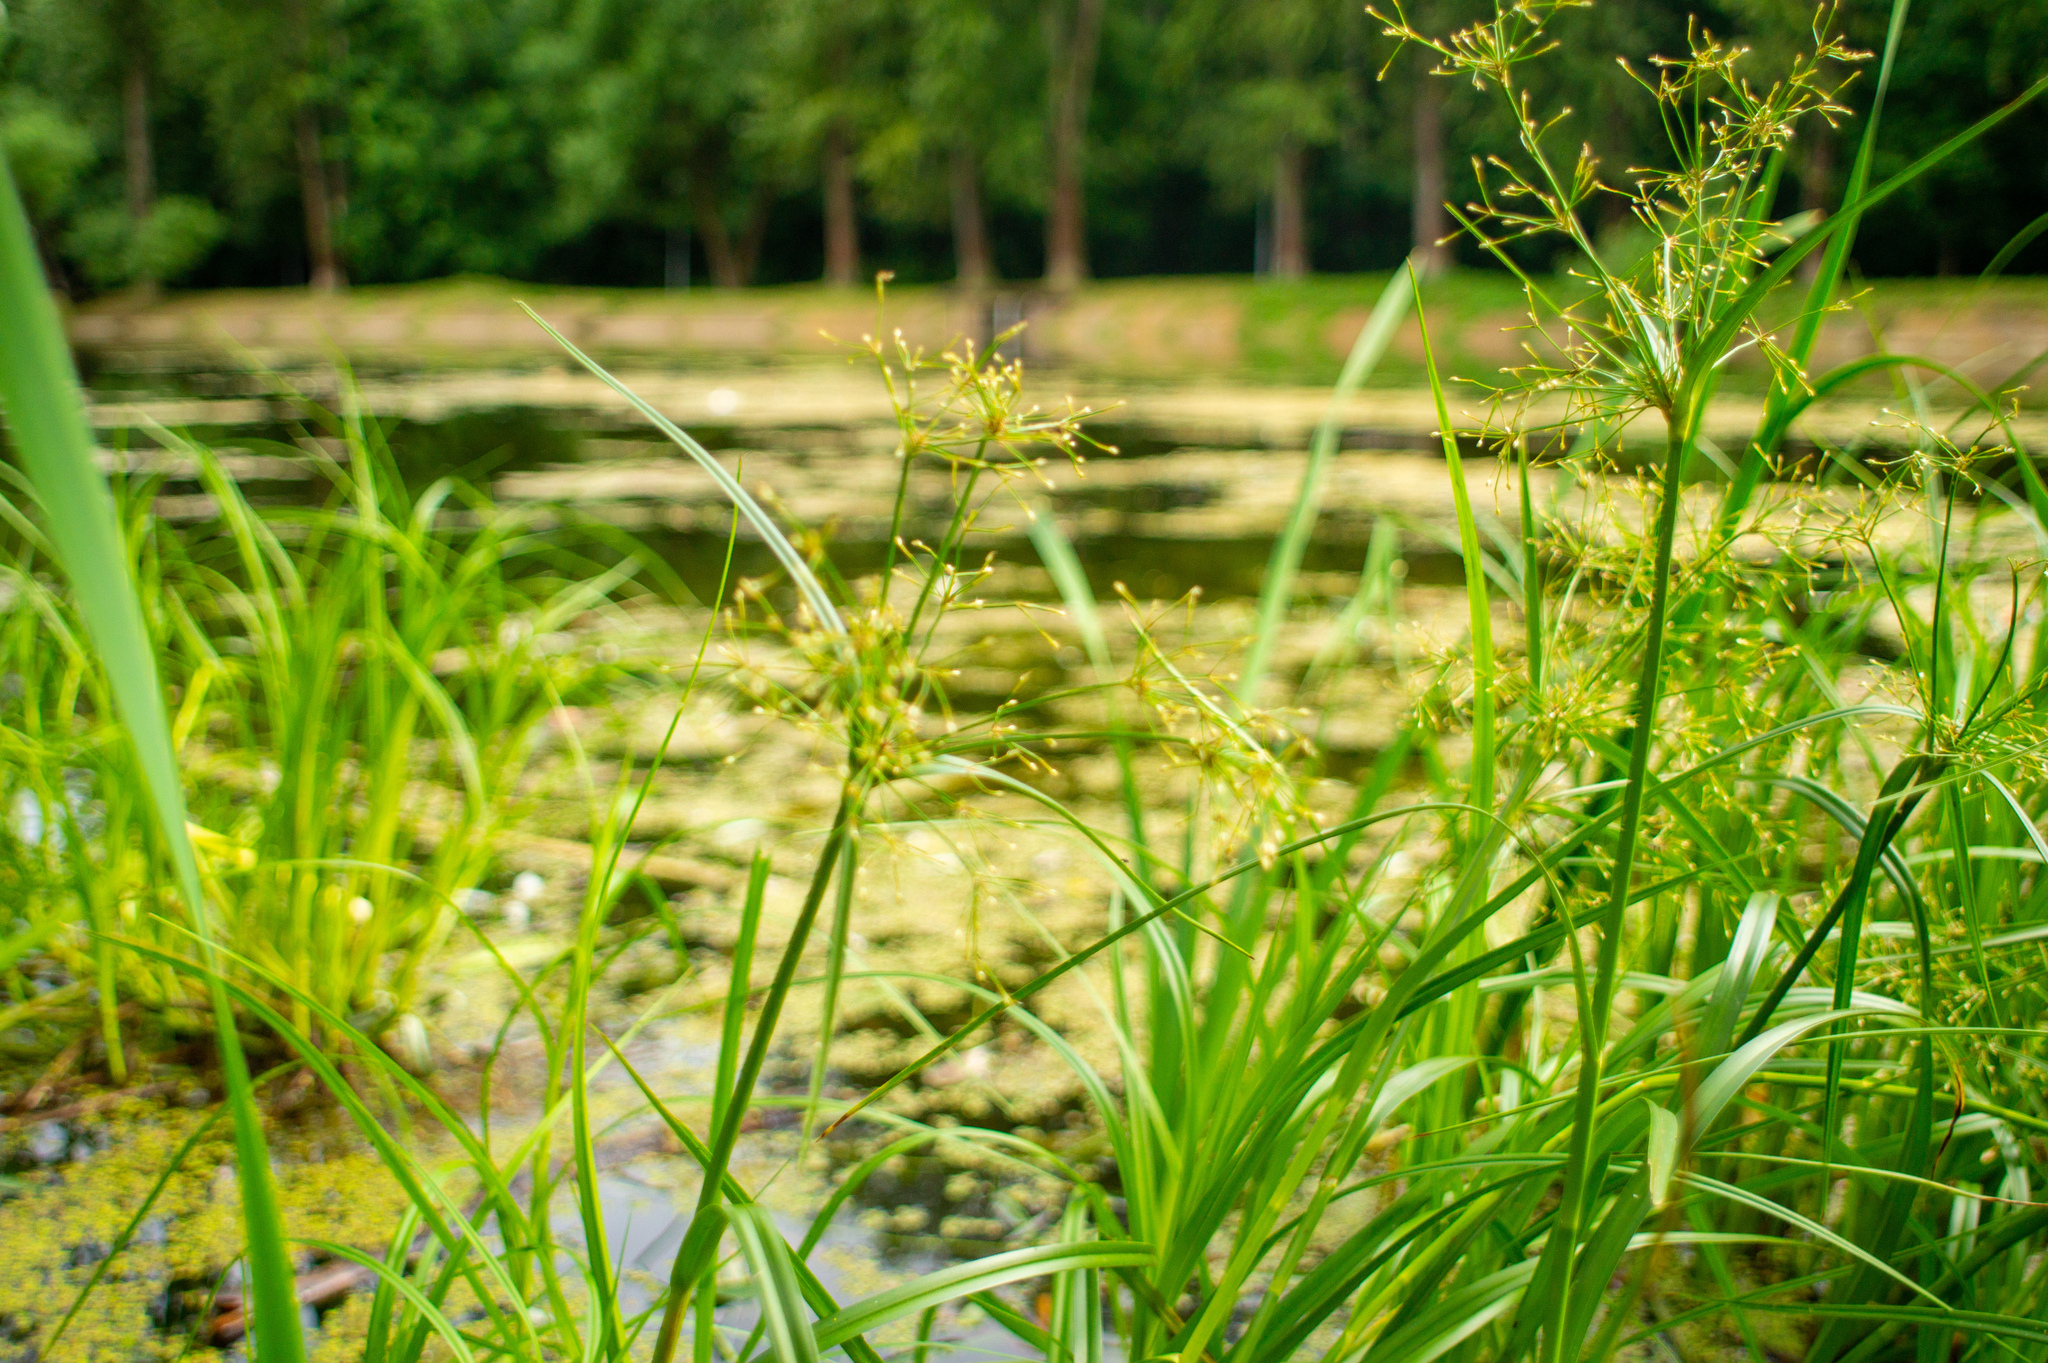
{"points": [[99, 1102], [321, 1286], [52, 1076]]}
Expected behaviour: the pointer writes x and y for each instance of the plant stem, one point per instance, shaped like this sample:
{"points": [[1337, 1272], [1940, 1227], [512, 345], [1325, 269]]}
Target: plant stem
{"points": [[1682, 423], [684, 1272]]}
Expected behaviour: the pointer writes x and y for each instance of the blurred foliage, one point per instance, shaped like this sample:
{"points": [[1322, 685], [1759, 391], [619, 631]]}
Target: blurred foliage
{"points": [[176, 234], [632, 142]]}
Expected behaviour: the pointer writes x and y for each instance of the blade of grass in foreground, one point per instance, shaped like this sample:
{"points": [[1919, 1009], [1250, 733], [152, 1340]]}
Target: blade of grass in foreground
{"points": [[1277, 591], [1478, 608], [806, 582], [46, 419]]}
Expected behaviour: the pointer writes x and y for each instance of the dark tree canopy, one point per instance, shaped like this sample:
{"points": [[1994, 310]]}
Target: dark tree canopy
{"points": [[725, 142]]}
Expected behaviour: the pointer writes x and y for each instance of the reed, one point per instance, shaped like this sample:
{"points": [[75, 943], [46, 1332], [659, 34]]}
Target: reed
{"points": [[47, 424]]}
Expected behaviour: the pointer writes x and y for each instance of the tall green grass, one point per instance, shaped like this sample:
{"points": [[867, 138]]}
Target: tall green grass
{"points": [[359, 680], [368, 658], [47, 424], [1671, 981]]}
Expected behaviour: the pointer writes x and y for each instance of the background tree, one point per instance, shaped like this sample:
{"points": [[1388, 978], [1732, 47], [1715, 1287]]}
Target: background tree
{"points": [[653, 106], [253, 142], [445, 129], [81, 113], [1423, 92], [953, 140], [1073, 32], [1270, 86], [273, 77], [830, 76]]}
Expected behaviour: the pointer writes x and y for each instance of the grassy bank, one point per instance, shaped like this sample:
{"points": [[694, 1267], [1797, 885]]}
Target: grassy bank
{"points": [[1143, 330]]}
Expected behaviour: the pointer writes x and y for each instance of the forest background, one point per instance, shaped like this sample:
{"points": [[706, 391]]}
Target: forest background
{"points": [[670, 143]]}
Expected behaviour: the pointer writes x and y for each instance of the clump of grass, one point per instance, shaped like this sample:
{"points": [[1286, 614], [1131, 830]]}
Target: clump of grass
{"points": [[384, 675], [358, 684]]}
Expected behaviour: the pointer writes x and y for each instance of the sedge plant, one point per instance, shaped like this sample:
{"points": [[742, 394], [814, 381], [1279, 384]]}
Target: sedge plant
{"points": [[1383, 1113]]}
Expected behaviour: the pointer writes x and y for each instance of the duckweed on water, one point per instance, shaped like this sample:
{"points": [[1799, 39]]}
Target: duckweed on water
{"points": [[58, 1220]]}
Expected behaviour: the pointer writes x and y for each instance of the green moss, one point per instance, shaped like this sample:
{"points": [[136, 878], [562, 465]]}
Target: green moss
{"points": [[55, 1227]]}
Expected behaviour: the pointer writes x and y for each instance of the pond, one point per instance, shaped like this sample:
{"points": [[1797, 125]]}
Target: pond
{"points": [[1199, 485]]}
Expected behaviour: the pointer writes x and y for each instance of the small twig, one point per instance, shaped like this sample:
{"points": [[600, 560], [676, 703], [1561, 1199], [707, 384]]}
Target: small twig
{"points": [[99, 1102], [321, 1285], [326, 1283], [53, 1075]]}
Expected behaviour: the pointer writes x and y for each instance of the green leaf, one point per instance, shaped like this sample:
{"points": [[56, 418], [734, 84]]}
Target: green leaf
{"points": [[1746, 956], [1479, 613], [405, 1288], [807, 584], [783, 1313], [1077, 1294], [1662, 1151], [978, 1275], [1409, 1082], [1455, 1319], [1813, 1228], [1732, 1075], [1072, 581], [46, 419], [1598, 1260], [1276, 592]]}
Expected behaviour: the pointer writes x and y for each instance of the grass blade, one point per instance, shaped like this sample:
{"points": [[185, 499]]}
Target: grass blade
{"points": [[47, 420], [1276, 592], [783, 1311], [1746, 956], [978, 1275], [807, 584], [1662, 1152], [1477, 607]]}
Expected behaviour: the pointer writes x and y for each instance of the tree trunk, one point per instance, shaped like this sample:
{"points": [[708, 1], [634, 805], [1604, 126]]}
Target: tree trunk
{"points": [[337, 200], [842, 227], [141, 162], [1429, 223], [1074, 40], [322, 262], [971, 265], [747, 254], [1290, 214], [719, 256]]}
